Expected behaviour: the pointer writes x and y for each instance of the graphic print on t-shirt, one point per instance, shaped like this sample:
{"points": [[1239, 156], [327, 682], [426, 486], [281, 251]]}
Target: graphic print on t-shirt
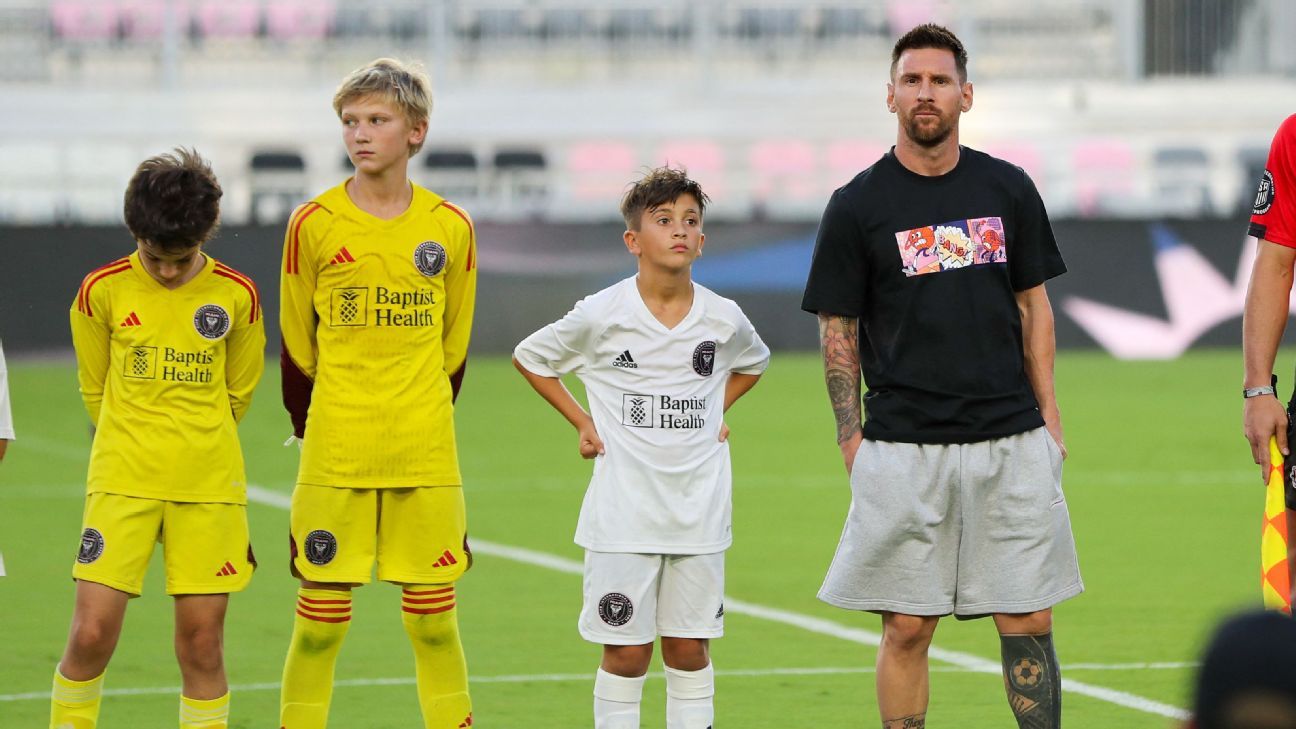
{"points": [[956, 244]]}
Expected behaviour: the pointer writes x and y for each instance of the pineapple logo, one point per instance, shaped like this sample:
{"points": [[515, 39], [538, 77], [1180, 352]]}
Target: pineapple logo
{"points": [[350, 307], [141, 363], [637, 410]]}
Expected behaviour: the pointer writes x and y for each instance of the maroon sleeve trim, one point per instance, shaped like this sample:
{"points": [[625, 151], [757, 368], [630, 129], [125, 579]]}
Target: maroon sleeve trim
{"points": [[456, 381], [297, 389]]}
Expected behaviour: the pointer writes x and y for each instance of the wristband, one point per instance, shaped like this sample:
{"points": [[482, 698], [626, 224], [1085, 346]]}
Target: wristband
{"points": [[1270, 389]]}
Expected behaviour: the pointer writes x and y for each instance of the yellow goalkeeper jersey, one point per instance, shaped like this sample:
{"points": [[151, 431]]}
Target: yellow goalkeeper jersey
{"points": [[376, 316], [166, 375]]}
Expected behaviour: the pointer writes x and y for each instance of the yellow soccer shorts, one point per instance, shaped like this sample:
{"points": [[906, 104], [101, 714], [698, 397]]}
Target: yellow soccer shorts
{"points": [[417, 536], [205, 546]]}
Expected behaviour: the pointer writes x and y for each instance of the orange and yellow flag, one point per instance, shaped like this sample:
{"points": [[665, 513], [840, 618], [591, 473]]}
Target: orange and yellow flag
{"points": [[1275, 581]]}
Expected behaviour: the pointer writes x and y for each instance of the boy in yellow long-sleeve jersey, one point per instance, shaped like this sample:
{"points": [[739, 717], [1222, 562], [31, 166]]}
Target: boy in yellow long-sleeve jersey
{"points": [[378, 282], [170, 345]]}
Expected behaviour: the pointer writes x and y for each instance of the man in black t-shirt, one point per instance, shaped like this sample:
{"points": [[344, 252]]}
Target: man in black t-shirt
{"points": [[928, 278]]}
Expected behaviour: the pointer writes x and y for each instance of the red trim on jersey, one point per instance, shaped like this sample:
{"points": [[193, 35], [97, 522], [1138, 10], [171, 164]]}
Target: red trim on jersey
{"points": [[292, 265], [229, 273], [296, 389], [472, 234], [92, 278]]}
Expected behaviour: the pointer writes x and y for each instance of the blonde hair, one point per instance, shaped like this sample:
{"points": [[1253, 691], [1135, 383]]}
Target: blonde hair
{"points": [[404, 85]]}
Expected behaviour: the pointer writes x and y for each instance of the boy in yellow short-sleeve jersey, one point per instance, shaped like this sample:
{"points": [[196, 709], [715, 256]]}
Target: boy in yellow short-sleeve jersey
{"points": [[170, 345]]}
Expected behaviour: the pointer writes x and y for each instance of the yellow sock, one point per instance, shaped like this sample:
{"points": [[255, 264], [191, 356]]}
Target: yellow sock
{"points": [[75, 704], [204, 714], [323, 617], [432, 623]]}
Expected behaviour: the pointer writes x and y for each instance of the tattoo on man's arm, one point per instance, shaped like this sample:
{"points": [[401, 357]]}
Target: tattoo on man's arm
{"points": [[839, 343]]}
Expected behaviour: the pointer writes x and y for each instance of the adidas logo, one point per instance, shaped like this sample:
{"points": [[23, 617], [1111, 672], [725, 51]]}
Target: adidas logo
{"points": [[227, 570], [131, 321], [343, 256], [446, 560], [625, 360]]}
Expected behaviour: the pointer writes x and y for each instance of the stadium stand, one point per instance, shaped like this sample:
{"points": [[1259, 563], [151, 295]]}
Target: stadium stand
{"points": [[780, 100]]}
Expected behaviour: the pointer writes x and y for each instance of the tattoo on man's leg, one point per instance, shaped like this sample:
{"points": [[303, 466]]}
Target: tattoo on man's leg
{"points": [[1033, 680], [913, 721]]}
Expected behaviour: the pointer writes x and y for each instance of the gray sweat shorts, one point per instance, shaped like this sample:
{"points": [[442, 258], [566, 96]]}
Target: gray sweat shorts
{"points": [[969, 529]]}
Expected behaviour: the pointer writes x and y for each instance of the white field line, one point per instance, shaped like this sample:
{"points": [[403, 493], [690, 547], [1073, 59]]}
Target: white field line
{"points": [[526, 678], [965, 661], [958, 661]]}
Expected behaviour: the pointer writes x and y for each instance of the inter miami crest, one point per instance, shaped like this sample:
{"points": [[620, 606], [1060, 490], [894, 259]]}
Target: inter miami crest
{"points": [[321, 547], [615, 609], [1265, 195], [704, 358], [92, 545], [211, 321], [429, 258]]}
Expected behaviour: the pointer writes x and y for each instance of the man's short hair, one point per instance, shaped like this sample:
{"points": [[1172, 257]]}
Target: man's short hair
{"points": [[1247, 678], [173, 200], [405, 85], [658, 187], [930, 35]]}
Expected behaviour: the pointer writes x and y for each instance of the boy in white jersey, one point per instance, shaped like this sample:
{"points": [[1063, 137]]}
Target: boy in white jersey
{"points": [[170, 345], [661, 359]]}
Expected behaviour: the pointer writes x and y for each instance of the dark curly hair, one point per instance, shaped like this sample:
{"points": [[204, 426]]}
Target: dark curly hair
{"points": [[930, 35], [658, 187], [173, 201]]}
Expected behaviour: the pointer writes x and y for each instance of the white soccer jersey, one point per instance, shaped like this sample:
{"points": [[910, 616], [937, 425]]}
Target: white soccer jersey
{"points": [[657, 397], [6, 417]]}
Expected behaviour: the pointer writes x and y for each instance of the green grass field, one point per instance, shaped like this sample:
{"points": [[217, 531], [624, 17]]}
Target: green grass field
{"points": [[1165, 502]]}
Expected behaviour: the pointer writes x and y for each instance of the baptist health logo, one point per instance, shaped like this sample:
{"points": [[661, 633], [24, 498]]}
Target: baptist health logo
{"points": [[1197, 298], [637, 410], [350, 307], [662, 411], [141, 363]]}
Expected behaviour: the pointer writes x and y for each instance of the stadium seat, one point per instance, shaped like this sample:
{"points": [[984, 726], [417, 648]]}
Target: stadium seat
{"points": [[1182, 181], [76, 20], [453, 174], [848, 157], [278, 182], [229, 19], [299, 20], [1104, 172], [521, 181], [145, 20], [600, 170], [1026, 156], [783, 174]]}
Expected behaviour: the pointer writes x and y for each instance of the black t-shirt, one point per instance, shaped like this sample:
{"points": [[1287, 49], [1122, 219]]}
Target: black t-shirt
{"points": [[929, 266]]}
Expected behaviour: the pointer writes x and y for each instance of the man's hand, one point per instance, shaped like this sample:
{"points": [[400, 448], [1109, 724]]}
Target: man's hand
{"points": [[1263, 417], [1054, 427], [849, 448], [591, 445]]}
